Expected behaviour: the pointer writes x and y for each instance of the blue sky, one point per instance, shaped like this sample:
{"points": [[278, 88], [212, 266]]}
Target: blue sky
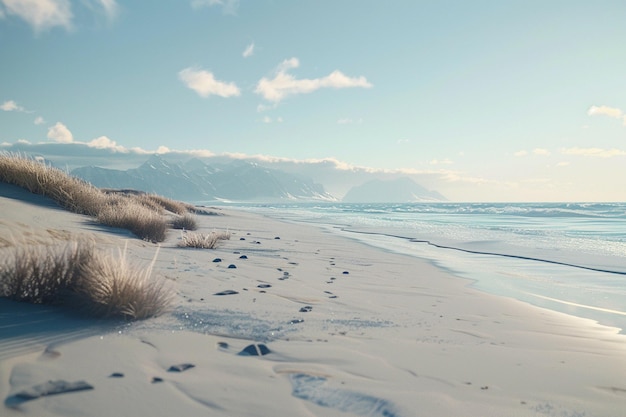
{"points": [[480, 100]]}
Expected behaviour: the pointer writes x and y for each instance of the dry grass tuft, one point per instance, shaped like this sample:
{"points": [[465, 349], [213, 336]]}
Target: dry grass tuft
{"points": [[75, 274], [203, 241], [184, 222], [135, 217], [114, 287], [39, 274]]}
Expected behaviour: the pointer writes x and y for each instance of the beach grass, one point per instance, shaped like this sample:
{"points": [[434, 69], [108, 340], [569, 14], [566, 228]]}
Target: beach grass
{"points": [[184, 222], [203, 240], [76, 274], [141, 213]]}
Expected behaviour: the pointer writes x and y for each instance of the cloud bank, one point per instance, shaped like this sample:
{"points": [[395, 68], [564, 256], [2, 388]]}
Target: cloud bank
{"points": [[284, 84]]}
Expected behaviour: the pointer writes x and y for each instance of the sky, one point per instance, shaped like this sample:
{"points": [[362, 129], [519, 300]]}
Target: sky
{"points": [[479, 100]]}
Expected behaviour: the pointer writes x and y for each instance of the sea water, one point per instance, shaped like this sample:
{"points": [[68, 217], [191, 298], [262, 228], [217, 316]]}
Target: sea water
{"points": [[565, 257]]}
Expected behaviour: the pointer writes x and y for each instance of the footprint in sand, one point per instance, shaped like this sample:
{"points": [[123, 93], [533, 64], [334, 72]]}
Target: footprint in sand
{"points": [[316, 390], [44, 390]]}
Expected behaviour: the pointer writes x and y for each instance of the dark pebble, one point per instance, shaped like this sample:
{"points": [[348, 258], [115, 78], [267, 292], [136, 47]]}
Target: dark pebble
{"points": [[232, 266], [345, 272], [226, 292], [306, 309], [243, 257], [296, 321], [242, 238], [116, 375], [181, 368], [156, 379], [264, 286], [217, 260], [277, 238], [255, 350]]}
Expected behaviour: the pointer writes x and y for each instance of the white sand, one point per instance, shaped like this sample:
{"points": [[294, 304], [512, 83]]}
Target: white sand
{"points": [[401, 338]]}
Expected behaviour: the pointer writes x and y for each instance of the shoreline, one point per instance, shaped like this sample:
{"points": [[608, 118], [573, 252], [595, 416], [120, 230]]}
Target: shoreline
{"points": [[383, 330]]}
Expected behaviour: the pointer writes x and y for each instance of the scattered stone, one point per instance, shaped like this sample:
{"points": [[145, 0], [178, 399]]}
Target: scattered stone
{"points": [[232, 266], [333, 296], [345, 272], [277, 238], [156, 379], [180, 368], [243, 257], [296, 321], [255, 350], [306, 309], [217, 260], [116, 375], [222, 345], [264, 286], [226, 292], [242, 238]]}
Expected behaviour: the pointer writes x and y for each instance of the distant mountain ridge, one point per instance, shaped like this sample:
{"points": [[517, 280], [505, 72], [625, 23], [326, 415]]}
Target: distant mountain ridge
{"points": [[195, 180], [400, 190]]}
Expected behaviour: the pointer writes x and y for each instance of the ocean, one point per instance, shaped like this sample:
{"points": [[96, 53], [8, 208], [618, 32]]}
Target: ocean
{"points": [[568, 257]]}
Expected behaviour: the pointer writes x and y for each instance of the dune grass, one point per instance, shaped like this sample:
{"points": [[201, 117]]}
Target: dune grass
{"points": [[141, 213], [76, 274], [184, 222], [203, 240]]}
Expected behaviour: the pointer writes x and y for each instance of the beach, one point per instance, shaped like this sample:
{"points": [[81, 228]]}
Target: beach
{"points": [[288, 319]]}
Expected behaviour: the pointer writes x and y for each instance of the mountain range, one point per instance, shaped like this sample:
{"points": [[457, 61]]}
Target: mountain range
{"points": [[195, 180]]}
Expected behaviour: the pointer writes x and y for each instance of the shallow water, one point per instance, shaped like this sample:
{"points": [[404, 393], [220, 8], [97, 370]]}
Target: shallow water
{"points": [[565, 257]]}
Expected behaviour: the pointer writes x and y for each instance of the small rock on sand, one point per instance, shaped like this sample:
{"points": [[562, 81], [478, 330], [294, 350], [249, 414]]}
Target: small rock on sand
{"points": [[226, 292], [181, 367]]}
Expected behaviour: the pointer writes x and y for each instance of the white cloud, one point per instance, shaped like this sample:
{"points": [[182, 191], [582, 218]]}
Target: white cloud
{"points": [[249, 51], [60, 133], [205, 84], [39, 121], [284, 84], [104, 142], [228, 6], [11, 105], [41, 14], [604, 110], [612, 112], [541, 151], [594, 152]]}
